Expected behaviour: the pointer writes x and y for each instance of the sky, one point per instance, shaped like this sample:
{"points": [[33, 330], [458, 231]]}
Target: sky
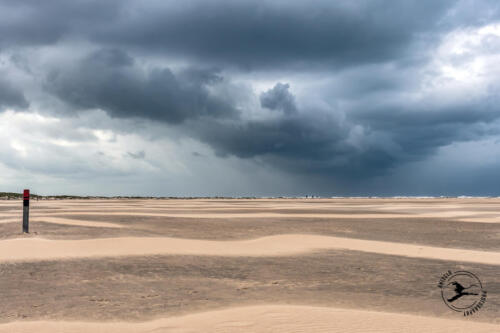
{"points": [[250, 97]]}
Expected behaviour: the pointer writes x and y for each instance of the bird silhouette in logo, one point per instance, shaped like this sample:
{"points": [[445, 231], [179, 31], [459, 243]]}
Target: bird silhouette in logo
{"points": [[459, 291]]}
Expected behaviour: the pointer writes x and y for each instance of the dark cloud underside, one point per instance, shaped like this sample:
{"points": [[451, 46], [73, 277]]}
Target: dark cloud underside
{"points": [[107, 80]]}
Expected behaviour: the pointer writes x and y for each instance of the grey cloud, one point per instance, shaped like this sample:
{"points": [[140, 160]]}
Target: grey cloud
{"points": [[362, 82], [138, 155], [108, 80], [11, 97], [312, 141], [108, 58], [246, 34], [299, 140], [21, 62], [273, 34], [418, 130], [36, 23], [303, 142], [278, 98]]}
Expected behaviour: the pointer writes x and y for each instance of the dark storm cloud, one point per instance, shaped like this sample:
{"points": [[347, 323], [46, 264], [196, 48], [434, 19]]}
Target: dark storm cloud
{"points": [[300, 140], [281, 34], [362, 125], [299, 144], [36, 23], [11, 97], [248, 34], [107, 79], [306, 140], [371, 140]]}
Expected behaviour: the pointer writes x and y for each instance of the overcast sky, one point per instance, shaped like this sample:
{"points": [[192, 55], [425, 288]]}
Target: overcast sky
{"points": [[252, 97]]}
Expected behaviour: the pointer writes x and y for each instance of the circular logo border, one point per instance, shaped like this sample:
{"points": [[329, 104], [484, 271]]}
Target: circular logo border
{"points": [[470, 309]]}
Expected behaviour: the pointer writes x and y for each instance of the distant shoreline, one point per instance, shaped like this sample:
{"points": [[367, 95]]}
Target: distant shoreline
{"points": [[16, 196]]}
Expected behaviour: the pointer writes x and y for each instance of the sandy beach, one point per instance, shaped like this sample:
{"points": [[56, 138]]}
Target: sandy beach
{"points": [[245, 265]]}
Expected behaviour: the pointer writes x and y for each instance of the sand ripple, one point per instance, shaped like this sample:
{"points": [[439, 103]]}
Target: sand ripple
{"points": [[279, 245]]}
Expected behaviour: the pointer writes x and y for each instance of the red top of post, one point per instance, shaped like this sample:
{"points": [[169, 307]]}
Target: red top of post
{"points": [[26, 194]]}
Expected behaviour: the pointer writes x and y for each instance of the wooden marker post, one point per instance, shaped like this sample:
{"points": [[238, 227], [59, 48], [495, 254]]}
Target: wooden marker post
{"points": [[26, 211]]}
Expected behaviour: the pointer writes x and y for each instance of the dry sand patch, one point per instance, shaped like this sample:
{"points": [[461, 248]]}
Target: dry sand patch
{"points": [[281, 245], [484, 219], [268, 318]]}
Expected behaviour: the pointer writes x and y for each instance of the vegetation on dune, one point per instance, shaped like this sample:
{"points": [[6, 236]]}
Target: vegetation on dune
{"points": [[14, 196]]}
